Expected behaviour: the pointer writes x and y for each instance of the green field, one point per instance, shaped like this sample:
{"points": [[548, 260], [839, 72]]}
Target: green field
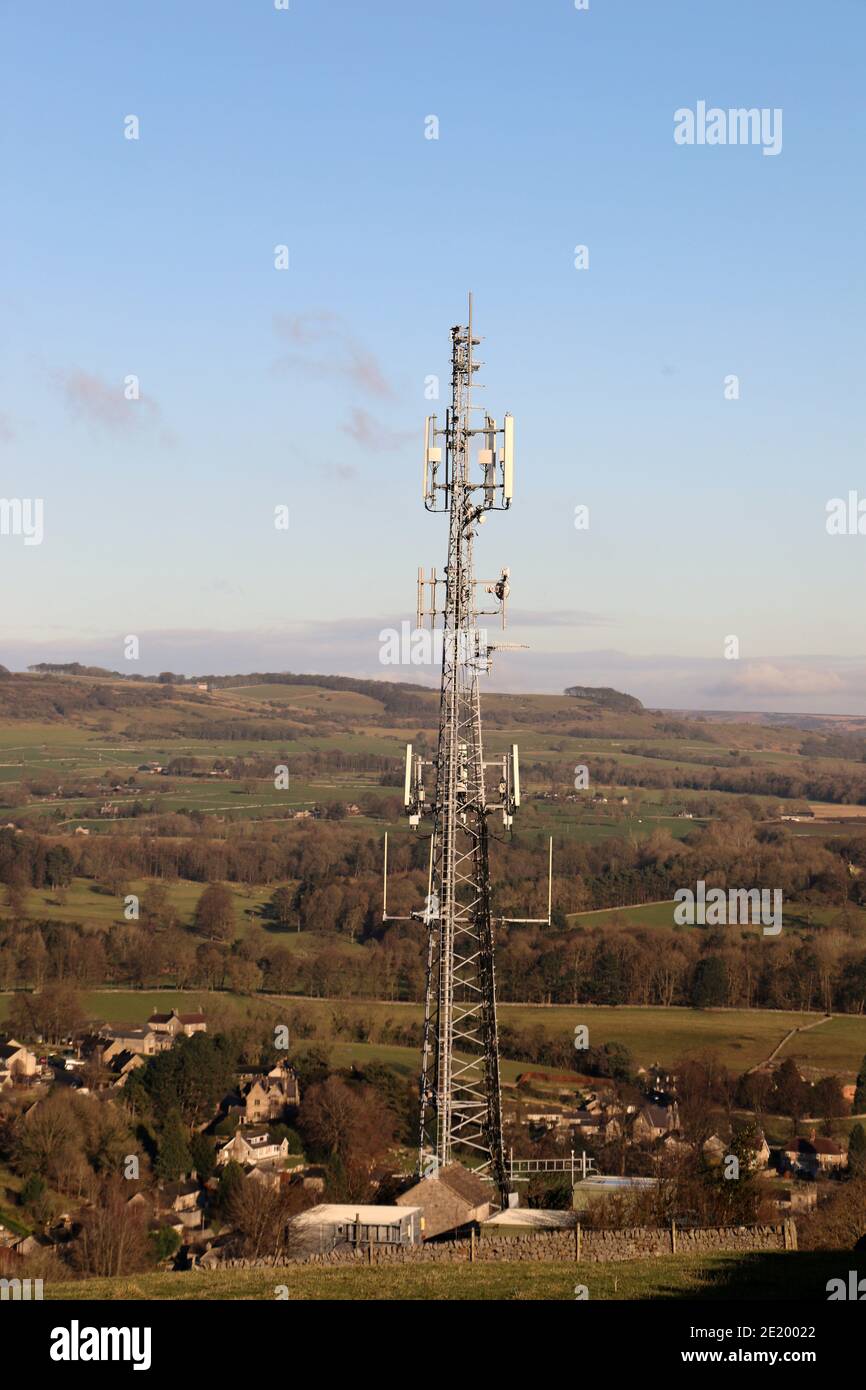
{"points": [[83, 902], [795, 917], [87, 743], [312, 697], [782, 1276], [403, 1059], [740, 1038], [99, 730], [220, 797], [589, 828], [644, 915]]}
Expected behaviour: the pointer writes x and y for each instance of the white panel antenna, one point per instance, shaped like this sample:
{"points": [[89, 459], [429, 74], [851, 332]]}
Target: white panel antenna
{"points": [[508, 458], [432, 458]]}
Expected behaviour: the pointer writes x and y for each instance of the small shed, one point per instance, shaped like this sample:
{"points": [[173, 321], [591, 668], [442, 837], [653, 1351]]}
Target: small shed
{"points": [[353, 1225]]}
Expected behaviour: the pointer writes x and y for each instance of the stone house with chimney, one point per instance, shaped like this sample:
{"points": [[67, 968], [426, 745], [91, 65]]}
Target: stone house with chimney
{"points": [[141, 1041], [182, 1201], [252, 1146], [174, 1024], [809, 1157], [715, 1149], [652, 1122], [268, 1097]]}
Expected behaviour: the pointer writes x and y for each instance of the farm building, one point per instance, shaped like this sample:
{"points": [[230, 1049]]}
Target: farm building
{"points": [[335, 1225], [527, 1221]]}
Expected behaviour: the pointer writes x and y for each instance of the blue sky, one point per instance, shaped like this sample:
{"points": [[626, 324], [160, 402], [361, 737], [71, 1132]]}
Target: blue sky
{"points": [[305, 387]]}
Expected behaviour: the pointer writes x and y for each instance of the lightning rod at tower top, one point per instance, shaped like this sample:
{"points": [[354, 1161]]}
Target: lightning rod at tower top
{"points": [[468, 471]]}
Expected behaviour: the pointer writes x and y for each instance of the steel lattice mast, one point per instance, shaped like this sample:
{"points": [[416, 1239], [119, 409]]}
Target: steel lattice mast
{"points": [[460, 1102]]}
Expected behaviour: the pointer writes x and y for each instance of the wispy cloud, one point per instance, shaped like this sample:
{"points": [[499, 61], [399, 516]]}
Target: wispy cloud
{"points": [[767, 678], [103, 403], [322, 345], [559, 617], [370, 433]]}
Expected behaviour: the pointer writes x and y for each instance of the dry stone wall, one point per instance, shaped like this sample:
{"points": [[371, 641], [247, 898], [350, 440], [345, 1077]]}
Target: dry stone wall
{"points": [[596, 1247]]}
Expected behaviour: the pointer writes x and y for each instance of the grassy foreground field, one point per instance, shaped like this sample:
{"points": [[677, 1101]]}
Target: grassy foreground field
{"points": [[795, 1275]]}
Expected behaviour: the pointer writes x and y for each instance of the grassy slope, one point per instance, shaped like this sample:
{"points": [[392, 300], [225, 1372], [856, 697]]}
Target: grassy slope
{"points": [[772, 1276], [739, 1037], [83, 903], [795, 917]]}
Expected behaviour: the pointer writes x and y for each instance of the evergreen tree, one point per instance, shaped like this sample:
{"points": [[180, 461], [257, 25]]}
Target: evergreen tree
{"points": [[173, 1159], [165, 1243], [607, 982], [192, 1077], [231, 1180], [860, 1092], [32, 1190], [710, 987], [791, 1092], [857, 1152], [312, 1065], [203, 1156]]}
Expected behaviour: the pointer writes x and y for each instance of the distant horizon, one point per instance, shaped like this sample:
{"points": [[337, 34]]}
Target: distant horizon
{"points": [[412, 677]]}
